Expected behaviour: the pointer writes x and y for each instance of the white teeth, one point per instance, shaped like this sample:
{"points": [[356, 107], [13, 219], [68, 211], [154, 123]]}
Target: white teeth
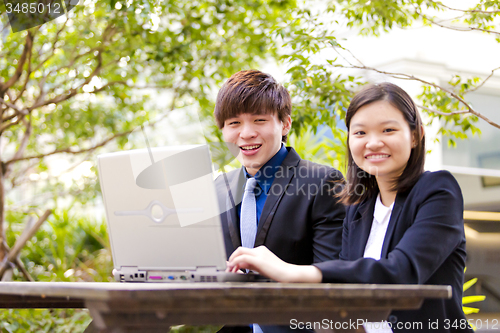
{"points": [[250, 147], [376, 156]]}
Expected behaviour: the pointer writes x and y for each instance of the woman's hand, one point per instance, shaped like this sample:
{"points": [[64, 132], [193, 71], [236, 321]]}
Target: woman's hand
{"points": [[266, 263]]}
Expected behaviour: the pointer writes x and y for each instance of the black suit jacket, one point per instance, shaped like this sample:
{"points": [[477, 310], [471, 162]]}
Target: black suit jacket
{"points": [[301, 221], [424, 244]]}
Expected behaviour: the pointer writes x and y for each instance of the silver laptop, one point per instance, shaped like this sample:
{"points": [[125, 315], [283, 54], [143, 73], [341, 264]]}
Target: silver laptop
{"points": [[163, 216]]}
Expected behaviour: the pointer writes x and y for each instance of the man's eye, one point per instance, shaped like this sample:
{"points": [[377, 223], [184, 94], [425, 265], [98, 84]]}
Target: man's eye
{"points": [[233, 122], [261, 120]]}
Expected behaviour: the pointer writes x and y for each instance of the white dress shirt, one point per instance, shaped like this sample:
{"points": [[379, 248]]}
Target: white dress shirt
{"points": [[381, 217]]}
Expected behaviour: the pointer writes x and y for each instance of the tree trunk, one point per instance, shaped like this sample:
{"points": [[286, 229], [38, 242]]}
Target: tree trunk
{"points": [[2, 213]]}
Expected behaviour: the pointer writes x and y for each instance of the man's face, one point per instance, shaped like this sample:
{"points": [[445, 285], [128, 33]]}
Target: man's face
{"points": [[258, 137]]}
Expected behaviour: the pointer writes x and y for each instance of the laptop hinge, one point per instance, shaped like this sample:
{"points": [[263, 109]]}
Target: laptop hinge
{"points": [[130, 274]]}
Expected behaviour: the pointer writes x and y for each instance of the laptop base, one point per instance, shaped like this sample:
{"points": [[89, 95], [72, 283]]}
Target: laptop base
{"points": [[204, 274]]}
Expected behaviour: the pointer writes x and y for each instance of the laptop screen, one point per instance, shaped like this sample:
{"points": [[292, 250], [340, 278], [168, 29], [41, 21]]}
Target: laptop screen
{"points": [[161, 208]]}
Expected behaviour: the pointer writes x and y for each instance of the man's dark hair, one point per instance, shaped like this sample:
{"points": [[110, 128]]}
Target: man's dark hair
{"points": [[359, 179], [252, 92]]}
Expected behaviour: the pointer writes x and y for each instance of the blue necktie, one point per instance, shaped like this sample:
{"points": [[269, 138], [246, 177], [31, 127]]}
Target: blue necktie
{"points": [[248, 223], [248, 218]]}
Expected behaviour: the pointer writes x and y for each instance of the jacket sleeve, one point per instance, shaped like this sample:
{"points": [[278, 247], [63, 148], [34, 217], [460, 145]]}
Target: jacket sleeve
{"points": [[327, 215], [435, 233]]}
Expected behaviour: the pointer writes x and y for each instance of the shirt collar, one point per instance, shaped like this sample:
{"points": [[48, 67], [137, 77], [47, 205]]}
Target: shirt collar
{"points": [[380, 213], [265, 175]]}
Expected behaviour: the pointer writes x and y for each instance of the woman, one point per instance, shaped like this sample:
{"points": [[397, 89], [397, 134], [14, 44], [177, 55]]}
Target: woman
{"points": [[402, 225]]}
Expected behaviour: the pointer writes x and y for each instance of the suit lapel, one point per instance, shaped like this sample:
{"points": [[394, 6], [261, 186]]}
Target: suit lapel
{"points": [[233, 199], [396, 210], [359, 229], [281, 181]]}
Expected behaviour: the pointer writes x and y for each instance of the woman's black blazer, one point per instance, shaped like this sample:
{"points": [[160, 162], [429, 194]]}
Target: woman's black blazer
{"points": [[424, 244]]}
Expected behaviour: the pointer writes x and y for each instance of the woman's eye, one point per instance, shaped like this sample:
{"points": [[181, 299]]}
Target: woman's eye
{"points": [[260, 120], [359, 133], [389, 130], [233, 123]]}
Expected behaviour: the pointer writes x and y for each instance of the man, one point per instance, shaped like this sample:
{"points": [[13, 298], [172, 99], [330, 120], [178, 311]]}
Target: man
{"points": [[289, 205]]}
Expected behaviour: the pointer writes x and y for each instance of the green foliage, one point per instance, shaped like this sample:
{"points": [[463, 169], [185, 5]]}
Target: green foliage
{"points": [[115, 65], [320, 96], [380, 15], [44, 320], [375, 16], [318, 148], [455, 118], [66, 248]]}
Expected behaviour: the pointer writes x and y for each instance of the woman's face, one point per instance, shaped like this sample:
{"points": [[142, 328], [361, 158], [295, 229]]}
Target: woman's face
{"points": [[380, 140]]}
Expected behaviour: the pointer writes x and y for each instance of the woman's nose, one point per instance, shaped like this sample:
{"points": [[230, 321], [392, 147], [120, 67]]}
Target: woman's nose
{"points": [[374, 143]]}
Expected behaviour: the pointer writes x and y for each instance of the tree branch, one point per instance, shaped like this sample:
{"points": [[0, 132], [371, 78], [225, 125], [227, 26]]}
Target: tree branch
{"points": [[69, 150], [484, 81], [19, 264], [443, 113], [73, 91], [13, 178], [53, 49], [465, 10], [403, 76], [20, 117], [108, 33], [75, 152], [63, 83], [12, 106], [455, 28], [21, 241], [152, 86], [28, 45], [25, 84], [9, 117], [22, 146], [26, 180]]}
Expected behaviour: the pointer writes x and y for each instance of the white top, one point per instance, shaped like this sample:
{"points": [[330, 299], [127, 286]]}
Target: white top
{"points": [[381, 217]]}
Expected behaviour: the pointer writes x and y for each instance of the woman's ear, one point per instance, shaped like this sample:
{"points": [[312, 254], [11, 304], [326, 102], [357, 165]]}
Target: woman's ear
{"points": [[415, 139]]}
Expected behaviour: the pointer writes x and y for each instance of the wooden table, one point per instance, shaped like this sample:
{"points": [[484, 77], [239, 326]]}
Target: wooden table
{"points": [[153, 307]]}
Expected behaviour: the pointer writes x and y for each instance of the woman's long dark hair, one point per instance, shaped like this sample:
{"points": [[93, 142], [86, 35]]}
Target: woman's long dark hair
{"points": [[361, 185]]}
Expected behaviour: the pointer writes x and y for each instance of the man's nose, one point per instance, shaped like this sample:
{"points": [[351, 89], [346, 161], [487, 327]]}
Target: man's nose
{"points": [[248, 132]]}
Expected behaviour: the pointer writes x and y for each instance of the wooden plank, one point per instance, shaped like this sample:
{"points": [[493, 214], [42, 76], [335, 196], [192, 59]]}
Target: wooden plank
{"points": [[160, 321], [23, 302], [105, 290], [153, 307]]}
